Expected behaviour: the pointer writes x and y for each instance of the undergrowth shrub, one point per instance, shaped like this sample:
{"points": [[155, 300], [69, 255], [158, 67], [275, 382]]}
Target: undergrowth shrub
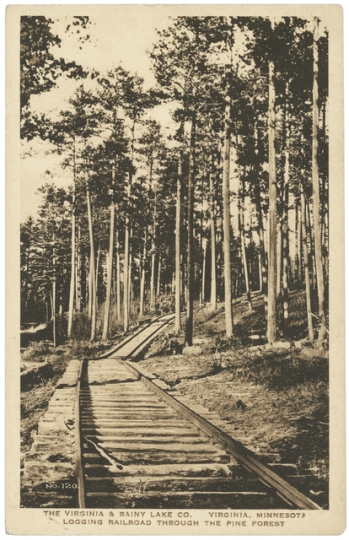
{"points": [[280, 371], [37, 352], [169, 346], [81, 329], [165, 303]]}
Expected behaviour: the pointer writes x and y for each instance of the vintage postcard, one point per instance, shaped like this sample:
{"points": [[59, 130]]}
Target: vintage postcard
{"points": [[175, 270]]}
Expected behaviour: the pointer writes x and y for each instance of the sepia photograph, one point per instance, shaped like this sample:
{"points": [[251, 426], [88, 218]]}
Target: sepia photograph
{"points": [[177, 252]]}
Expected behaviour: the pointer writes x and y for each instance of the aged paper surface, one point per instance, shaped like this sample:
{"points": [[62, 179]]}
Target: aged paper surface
{"points": [[119, 35]]}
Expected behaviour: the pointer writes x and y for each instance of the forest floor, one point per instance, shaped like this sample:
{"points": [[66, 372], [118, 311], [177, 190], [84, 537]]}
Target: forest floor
{"points": [[274, 400]]}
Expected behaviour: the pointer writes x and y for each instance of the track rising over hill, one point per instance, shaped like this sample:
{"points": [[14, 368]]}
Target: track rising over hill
{"points": [[138, 446]]}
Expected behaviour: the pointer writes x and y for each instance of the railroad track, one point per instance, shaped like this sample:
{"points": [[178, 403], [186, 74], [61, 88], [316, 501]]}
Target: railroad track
{"points": [[139, 446]]}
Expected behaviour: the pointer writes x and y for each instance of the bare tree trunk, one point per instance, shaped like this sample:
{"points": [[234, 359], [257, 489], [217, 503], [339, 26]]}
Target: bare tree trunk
{"points": [[296, 241], [285, 239], [126, 262], [97, 272], [109, 262], [142, 282], [90, 293], [177, 329], [272, 264], [213, 245], [263, 278], [316, 187], [226, 219], [310, 229], [130, 283], [118, 281], [203, 282], [243, 249], [285, 263], [306, 268], [299, 245], [158, 285], [78, 273], [152, 277], [153, 258], [54, 294], [72, 266], [190, 258], [279, 259], [92, 263]]}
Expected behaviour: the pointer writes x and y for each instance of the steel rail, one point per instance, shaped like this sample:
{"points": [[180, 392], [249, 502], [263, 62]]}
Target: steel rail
{"points": [[78, 461], [242, 454], [112, 351]]}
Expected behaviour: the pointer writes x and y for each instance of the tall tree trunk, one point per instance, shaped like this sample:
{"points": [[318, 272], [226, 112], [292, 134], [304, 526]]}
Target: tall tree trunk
{"points": [[279, 258], [243, 247], [261, 245], [299, 245], [90, 293], [177, 328], [118, 280], [263, 277], [127, 266], [92, 263], [158, 285], [296, 240], [226, 218], [190, 257], [272, 252], [153, 259], [311, 228], [142, 281], [285, 239], [126, 262], [316, 186], [213, 245], [109, 261], [201, 248], [97, 272], [152, 278], [54, 295], [130, 282], [306, 268], [72, 265], [78, 273], [203, 281]]}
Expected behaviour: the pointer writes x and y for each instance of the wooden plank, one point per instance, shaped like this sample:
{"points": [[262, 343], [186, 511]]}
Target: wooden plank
{"points": [[111, 422], [153, 430], [221, 470], [132, 457], [155, 416], [144, 446], [100, 402], [163, 439], [121, 406], [257, 500], [171, 484]]}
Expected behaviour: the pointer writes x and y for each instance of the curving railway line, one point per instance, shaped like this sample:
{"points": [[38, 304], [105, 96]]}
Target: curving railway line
{"points": [[138, 446]]}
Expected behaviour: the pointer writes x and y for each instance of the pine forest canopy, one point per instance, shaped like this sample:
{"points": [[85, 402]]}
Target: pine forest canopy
{"points": [[233, 201]]}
